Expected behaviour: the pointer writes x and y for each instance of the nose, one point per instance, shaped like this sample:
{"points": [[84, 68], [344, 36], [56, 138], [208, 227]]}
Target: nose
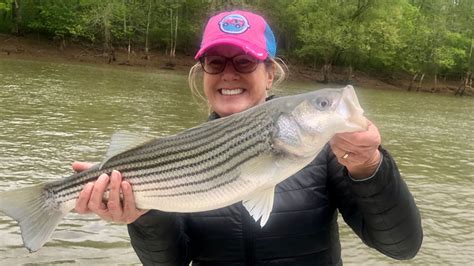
{"points": [[229, 72]]}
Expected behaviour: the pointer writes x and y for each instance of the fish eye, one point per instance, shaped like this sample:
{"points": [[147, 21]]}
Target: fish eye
{"points": [[322, 103]]}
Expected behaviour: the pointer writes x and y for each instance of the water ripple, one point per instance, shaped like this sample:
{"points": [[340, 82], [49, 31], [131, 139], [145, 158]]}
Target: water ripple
{"points": [[53, 114]]}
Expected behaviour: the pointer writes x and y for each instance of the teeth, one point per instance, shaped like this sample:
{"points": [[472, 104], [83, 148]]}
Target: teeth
{"points": [[231, 91]]}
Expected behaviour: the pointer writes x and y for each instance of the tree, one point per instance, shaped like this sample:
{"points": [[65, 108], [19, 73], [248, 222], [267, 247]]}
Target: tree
{"points": [[56, 19], [419, 37], [16, 16]]}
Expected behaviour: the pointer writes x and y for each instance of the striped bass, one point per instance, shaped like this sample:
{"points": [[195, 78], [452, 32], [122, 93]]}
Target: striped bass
{"points": [[241, 157]]}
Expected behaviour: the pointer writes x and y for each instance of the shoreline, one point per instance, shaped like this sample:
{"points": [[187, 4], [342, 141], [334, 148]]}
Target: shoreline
{"points": [[36, 49]]}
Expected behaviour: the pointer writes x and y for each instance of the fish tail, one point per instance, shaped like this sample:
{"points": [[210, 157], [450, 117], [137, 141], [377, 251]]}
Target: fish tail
{"points": [[35, 211]]}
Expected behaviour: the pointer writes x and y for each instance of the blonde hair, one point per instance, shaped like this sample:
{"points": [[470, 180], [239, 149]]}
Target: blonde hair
{"points": [[195, 76]]}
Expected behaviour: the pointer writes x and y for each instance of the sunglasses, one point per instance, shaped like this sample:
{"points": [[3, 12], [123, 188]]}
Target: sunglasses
{"points": [[215, 64]]}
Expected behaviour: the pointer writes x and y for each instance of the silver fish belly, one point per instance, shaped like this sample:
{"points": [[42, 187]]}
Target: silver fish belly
{"points": [[241, 157]]}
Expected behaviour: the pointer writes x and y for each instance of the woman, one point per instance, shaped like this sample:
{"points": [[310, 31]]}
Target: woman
{"points": [[352, 175]]}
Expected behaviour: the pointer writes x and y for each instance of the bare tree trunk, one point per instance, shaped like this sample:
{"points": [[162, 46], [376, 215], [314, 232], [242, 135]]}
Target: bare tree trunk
{"points": [[420, 81], [147, 31], [129, 50], [171, 31], [108, 47], [435, 85], [470, 56], [16, 17], [466, 83], [175, 35], [124, 20], [105, 22], [327, 70], [349, 74], [469, 80], [125, 31], [412, 81]]}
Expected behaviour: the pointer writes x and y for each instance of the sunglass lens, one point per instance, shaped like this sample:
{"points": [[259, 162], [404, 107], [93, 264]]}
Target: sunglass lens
{"points": [[214, 64], [245, 63]]}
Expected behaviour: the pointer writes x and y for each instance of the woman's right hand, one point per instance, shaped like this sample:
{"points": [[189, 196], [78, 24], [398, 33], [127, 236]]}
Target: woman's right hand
{"points": [[115, 209]]}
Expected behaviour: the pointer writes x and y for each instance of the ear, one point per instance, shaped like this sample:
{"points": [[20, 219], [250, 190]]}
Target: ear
{"points": [[270, 75]]}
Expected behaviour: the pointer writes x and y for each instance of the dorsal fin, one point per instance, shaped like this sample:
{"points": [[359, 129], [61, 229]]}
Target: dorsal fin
{"points": [[123, 141]]}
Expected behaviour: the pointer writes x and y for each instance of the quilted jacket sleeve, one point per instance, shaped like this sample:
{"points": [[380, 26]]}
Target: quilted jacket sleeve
{"points": [[158, 238], [380, 209]]}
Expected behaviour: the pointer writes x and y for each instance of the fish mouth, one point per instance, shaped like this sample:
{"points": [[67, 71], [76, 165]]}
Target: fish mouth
{"points": [[350, 109], [231, 91]]}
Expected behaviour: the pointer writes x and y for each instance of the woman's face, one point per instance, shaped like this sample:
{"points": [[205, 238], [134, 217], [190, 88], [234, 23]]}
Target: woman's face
{"points": [[231, 92]]}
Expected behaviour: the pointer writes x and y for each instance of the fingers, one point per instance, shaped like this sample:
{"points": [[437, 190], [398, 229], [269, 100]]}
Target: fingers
{"points": [[360, 147], [81, 166], [336, 149], [371, 137], [358, 142], [128, 198], [116, 209], [96, 203], [130, 211], [345, 156], [358, 151], [114, 204], [83, 199]]}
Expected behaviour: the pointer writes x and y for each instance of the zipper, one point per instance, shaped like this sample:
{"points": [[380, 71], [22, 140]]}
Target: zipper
{"points": [[248, 225]]}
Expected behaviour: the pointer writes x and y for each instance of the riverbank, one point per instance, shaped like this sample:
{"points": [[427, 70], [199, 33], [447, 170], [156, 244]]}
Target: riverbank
{"points": [[35, 48]]}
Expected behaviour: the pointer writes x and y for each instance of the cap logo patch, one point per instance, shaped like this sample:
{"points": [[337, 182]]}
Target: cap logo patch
{"points": [[234, 24]]}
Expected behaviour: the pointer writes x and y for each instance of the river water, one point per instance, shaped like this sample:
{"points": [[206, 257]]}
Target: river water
{"points": [[52, 114]]}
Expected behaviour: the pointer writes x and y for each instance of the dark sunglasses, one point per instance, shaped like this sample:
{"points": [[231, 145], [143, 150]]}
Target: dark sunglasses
{"points": [[215, 64]]}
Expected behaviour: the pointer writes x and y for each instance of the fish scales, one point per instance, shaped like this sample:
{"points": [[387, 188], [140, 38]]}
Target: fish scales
{"points": [[212, 148], [210, 179], [204, 175], [161, 168], [241, 157], [188, 145], [134, 159], [194, 139], [232, 147]]}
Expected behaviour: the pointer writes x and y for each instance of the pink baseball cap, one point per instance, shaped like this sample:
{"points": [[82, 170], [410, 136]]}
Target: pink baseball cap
{"points": [[243, 29]]}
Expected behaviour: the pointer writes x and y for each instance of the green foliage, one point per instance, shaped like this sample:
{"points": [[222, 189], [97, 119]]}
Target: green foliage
{"points": [[55, 19], [5, 16], [434, 37]]}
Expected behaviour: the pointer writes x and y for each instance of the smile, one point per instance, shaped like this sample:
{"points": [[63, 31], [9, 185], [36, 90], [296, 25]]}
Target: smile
{"points": [[231, 91]]}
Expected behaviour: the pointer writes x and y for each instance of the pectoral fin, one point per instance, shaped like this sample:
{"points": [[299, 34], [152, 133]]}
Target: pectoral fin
{"points": [[260, 205]]}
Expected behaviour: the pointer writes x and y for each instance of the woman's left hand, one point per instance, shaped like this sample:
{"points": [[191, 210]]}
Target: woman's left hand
{"points": [[358, 151]]}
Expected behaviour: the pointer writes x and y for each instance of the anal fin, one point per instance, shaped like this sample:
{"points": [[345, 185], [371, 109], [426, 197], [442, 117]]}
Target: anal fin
{"points": [[260, 205]]}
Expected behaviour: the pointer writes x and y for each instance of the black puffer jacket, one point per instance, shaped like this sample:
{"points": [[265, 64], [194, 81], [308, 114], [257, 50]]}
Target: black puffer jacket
{"points": [[302, 229]]}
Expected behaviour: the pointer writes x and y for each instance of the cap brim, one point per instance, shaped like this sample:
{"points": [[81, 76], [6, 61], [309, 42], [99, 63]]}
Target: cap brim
{"points": [[248, 48]]}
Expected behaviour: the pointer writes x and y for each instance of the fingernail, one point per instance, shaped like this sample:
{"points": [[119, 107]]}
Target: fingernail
{"points": [[103, 177], [125, 185], [115, 175]]}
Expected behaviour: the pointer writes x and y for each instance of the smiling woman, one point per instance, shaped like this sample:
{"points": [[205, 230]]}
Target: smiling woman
{"points": [[230, 91], [222, 65], [38, 137], [352, 174], [238, 67]]}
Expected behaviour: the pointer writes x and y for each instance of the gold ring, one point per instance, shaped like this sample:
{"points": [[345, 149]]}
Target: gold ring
{"points": [[345, 156]]}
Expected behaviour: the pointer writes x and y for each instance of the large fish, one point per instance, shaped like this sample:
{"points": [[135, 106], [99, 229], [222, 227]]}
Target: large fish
{"points": [[241, 157]]}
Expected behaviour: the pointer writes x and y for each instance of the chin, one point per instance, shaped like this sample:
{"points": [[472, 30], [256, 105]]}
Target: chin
{"points": [[229, 110]]}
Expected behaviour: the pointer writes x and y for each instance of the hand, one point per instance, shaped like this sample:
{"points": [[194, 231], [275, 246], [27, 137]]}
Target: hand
{"points": [[115, 210], [358, 151]]}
